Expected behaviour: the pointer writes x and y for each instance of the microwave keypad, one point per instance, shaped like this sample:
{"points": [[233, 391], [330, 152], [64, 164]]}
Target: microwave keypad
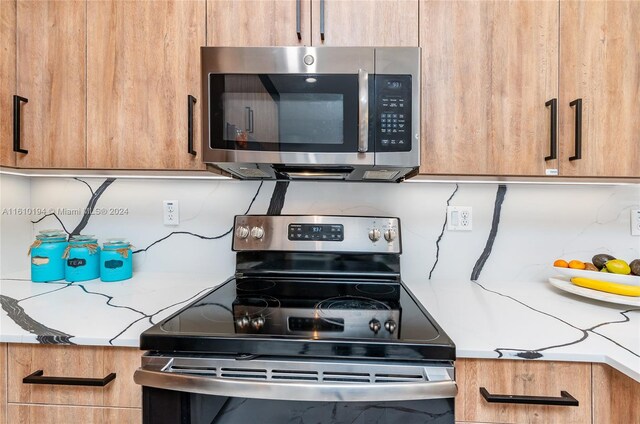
{"points": [[393, 112]]}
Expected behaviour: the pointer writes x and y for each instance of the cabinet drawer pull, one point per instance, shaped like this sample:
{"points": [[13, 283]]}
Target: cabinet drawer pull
{"points": [[578, 131], [565, 399], [298, 25], [191, 102], [16, 124], [322, 20], [553, 151], [38, 378]]}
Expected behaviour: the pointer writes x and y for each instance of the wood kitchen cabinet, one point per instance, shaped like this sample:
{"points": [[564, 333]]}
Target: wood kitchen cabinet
{"points": [[616, 397], [519, 377], [119, 401], [488, 69], [364, 23], [258, 23], [600, 64], [3, 383], [7, 81], [50, 73], [143, 62]]}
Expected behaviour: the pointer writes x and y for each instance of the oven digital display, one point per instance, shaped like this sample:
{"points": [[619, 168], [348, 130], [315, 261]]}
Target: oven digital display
{"points": [[394, 84], [316, 232], [316, 324]]}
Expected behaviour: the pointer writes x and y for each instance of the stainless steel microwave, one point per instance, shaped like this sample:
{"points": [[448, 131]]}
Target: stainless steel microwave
{"points": [[319, 113]]}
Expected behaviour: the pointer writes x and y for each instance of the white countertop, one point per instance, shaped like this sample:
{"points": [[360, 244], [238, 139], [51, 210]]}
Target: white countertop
{"points": [[484, 319]]}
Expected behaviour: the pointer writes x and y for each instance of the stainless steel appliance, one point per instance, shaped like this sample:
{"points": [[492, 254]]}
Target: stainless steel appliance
{"points": [[315, 326], [336, 113]]}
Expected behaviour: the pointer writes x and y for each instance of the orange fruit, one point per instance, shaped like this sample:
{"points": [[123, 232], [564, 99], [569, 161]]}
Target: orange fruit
{"points": [[575, 264], [561, 263]]}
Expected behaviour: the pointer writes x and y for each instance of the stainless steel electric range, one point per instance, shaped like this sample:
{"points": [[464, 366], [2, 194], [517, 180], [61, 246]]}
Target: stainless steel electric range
{"points": [[316, 326]]}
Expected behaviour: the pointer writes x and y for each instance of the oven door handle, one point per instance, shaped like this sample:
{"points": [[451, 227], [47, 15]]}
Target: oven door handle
{"points": [[153, 376], [363, 111]]}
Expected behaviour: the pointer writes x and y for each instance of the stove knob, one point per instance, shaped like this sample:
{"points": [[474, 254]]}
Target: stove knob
{"points": [[390, 326], [374, 325], [374, 235], [243, 322], [257, 323], [257, 232], [390, 235], [242, 232]]}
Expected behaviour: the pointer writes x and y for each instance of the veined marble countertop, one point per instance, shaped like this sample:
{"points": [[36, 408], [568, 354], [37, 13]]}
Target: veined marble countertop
{"points": [[531, 320]]}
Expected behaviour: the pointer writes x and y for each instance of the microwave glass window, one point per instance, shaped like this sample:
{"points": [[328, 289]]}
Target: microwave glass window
{"points": [[311, 118], [284, 112]]}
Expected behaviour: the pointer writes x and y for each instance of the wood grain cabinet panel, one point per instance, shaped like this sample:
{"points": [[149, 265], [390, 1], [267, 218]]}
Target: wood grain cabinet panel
{"points": [[50, 63], [488, 68], [616, 397], [366, 23], [257, 23], [143, 62], [7, 80], [50, 414], [74, 361], [3, 383], [58, 361], [512, 377], [122, 416], [600, 63], [123, 391]]}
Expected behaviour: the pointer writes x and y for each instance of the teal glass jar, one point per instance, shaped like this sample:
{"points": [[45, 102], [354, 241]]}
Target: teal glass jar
{"points": [[82, 259], [46, 256], [116, 260]]}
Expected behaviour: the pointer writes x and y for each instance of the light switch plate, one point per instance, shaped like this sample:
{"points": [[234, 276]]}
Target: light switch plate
{"points": [[635, 222], [459, 218]]}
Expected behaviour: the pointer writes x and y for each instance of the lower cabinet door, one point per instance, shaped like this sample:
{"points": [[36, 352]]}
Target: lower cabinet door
{"points": [[53, 414], [58, 414], [525, 380]]}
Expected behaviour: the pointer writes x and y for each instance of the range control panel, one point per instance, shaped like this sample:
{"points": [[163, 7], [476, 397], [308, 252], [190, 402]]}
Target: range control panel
{"points": [[393, 113], [317, 233]]}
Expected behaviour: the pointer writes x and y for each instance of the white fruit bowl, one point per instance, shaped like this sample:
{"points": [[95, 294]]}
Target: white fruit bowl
{"points": [[633, 280]]}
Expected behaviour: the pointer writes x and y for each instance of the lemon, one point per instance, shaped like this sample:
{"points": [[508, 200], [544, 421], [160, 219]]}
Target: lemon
{"points": [[618, 266]]}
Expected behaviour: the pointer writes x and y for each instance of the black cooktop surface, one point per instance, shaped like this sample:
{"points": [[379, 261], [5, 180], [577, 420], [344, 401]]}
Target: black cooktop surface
{"points": [[330, 319]]}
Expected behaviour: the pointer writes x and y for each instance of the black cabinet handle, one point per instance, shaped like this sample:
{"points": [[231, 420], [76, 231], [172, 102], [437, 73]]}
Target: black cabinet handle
{"points": [[298, 25], [16, 124], [565, 399], [191, 102], [578, 134], [38, 378], [322, 20], [553, 150]]}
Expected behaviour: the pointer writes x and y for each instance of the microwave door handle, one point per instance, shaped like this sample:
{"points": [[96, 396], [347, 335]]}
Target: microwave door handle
{"points": [[363, 111]]}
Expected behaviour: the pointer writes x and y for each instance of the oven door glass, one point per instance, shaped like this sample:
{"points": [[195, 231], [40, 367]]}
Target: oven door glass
{"points": [[284, 112], [172, 407]]}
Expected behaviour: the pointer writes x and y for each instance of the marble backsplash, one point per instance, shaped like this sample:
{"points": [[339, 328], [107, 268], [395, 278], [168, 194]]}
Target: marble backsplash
{"points": [[518, 229]]}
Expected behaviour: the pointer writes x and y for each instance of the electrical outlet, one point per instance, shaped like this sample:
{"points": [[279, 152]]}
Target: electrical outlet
{"points": [[459, 218], [171, 212], [635, 222]]}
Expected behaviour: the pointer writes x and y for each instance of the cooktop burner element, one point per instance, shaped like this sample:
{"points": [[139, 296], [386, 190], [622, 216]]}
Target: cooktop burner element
{"points": [[350, 302]]}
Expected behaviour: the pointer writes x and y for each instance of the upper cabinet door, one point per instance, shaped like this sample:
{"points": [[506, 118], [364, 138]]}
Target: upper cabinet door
{"points": [[258, 23], [7, 82], [143, 62], [488, 70], [600, 64], [50, 69], [365, 22]]}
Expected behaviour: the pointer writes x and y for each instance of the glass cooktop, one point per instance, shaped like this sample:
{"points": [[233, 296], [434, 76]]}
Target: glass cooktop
{"points": [[294, 317]]}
